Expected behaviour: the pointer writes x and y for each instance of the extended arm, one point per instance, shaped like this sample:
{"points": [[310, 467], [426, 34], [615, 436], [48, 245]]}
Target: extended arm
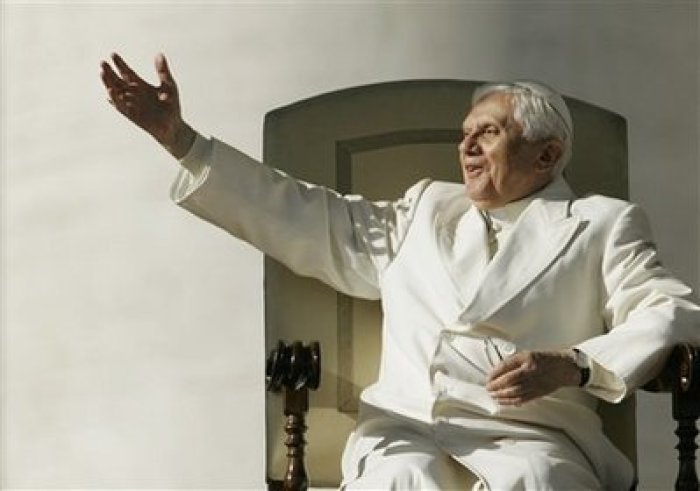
{"points": [[344, 241]]}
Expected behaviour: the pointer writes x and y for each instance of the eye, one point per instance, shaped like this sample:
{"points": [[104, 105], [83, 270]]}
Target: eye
{"points": [[488, 133]]}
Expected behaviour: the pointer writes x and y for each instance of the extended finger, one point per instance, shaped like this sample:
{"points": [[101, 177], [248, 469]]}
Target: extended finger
{"points": [[514, 377], [507, 392], [164, 74], [512, 401], [515, 395], [125, 70], [508, 382], [110, 79]]}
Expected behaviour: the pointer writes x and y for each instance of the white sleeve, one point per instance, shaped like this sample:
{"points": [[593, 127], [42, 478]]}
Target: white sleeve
{"points": [[605, 384], [646, 309], [344, 241]]}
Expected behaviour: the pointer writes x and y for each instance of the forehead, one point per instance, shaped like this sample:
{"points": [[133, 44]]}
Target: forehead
{"points": [[494, 107]]}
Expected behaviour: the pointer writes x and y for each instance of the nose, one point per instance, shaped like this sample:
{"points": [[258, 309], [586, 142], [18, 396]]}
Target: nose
{"points": [[468, 146]]}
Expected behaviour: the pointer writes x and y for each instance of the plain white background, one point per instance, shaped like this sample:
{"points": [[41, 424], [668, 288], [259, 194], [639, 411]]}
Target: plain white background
{"points": [[131, 331]]}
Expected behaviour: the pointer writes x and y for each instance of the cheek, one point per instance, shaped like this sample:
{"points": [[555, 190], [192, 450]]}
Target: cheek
{"points": [[499, 168]]}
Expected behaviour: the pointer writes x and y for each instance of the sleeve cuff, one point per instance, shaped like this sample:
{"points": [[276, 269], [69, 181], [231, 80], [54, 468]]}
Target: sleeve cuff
{"points": [[604, 384], [196, 158], [194, 169]]}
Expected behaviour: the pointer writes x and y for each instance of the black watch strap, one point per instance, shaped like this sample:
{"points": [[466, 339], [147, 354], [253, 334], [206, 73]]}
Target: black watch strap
{"points": [[585, 376], [583, 366]]}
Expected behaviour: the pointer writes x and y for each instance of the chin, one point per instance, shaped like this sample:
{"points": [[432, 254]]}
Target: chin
{"points": [[485, 201], [486, 205], [478, 194]]}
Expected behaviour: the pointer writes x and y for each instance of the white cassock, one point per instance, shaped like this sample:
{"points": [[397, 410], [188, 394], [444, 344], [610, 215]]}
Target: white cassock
{"points": [[568, 273]]}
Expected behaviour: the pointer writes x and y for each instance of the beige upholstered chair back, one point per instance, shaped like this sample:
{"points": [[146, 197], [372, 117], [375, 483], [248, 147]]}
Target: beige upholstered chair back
{"points": [[377, 140]]}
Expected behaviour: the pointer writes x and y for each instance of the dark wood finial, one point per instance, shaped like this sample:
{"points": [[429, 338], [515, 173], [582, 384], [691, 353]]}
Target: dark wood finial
{"points": [[295, 369]]}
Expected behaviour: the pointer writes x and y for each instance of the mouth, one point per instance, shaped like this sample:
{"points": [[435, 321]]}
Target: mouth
{"points": [[473, 170]]}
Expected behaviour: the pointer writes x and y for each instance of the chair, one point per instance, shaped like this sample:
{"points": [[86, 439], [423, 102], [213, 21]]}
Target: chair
{"points": [[377, 140]]}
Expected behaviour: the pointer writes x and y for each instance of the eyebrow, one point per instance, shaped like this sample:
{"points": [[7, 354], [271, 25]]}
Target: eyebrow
{"points": [[481, 124]]}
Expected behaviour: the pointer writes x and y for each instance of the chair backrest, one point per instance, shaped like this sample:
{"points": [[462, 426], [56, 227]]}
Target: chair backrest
{"points": [[377, 140]]}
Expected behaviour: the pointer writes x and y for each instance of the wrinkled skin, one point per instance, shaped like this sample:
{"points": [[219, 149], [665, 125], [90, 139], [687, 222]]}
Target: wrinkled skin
{"points": [[498, 164]]}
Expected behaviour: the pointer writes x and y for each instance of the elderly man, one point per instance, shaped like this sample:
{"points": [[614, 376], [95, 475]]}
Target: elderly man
{"points": [[509, 309]]}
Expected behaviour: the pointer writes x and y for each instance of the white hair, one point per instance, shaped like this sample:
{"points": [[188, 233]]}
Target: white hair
{"points": [[539, 109]]}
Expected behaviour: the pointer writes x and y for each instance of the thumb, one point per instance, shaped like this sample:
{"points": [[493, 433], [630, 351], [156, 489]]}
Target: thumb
{"points": [[166, 78]]}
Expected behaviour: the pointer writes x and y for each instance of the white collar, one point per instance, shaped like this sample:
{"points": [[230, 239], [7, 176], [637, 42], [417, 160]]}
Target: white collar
{"points": [[508, 214]]}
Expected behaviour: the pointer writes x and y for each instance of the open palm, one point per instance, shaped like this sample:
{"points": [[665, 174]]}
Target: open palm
{"points": [[155, 109]]}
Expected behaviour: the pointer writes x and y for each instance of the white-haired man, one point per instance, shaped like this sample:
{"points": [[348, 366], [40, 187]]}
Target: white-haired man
{"points": [[508, 309]]}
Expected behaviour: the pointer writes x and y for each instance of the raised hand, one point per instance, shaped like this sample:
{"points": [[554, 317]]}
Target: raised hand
{"points": [[154, 109]]}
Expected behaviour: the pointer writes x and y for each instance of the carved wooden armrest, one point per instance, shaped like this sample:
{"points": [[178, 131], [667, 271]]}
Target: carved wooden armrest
{"points": [[295, 369], [679, 372], [685, 362], [681, 377]]}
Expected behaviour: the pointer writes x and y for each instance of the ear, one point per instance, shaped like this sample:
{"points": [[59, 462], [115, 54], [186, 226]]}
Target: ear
{"points": [[550, 154]]}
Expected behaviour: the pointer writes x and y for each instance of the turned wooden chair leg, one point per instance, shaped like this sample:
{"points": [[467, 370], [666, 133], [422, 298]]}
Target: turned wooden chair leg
{"points": [[296, 403], [296, 369], [686, 410]]}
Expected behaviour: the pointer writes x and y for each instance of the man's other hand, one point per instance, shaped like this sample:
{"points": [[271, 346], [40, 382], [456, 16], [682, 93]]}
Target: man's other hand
{"points": [[531, 374], [154, 109]]}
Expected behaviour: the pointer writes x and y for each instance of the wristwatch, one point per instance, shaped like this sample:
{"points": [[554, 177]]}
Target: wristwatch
{"points": [[583, 364]]}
